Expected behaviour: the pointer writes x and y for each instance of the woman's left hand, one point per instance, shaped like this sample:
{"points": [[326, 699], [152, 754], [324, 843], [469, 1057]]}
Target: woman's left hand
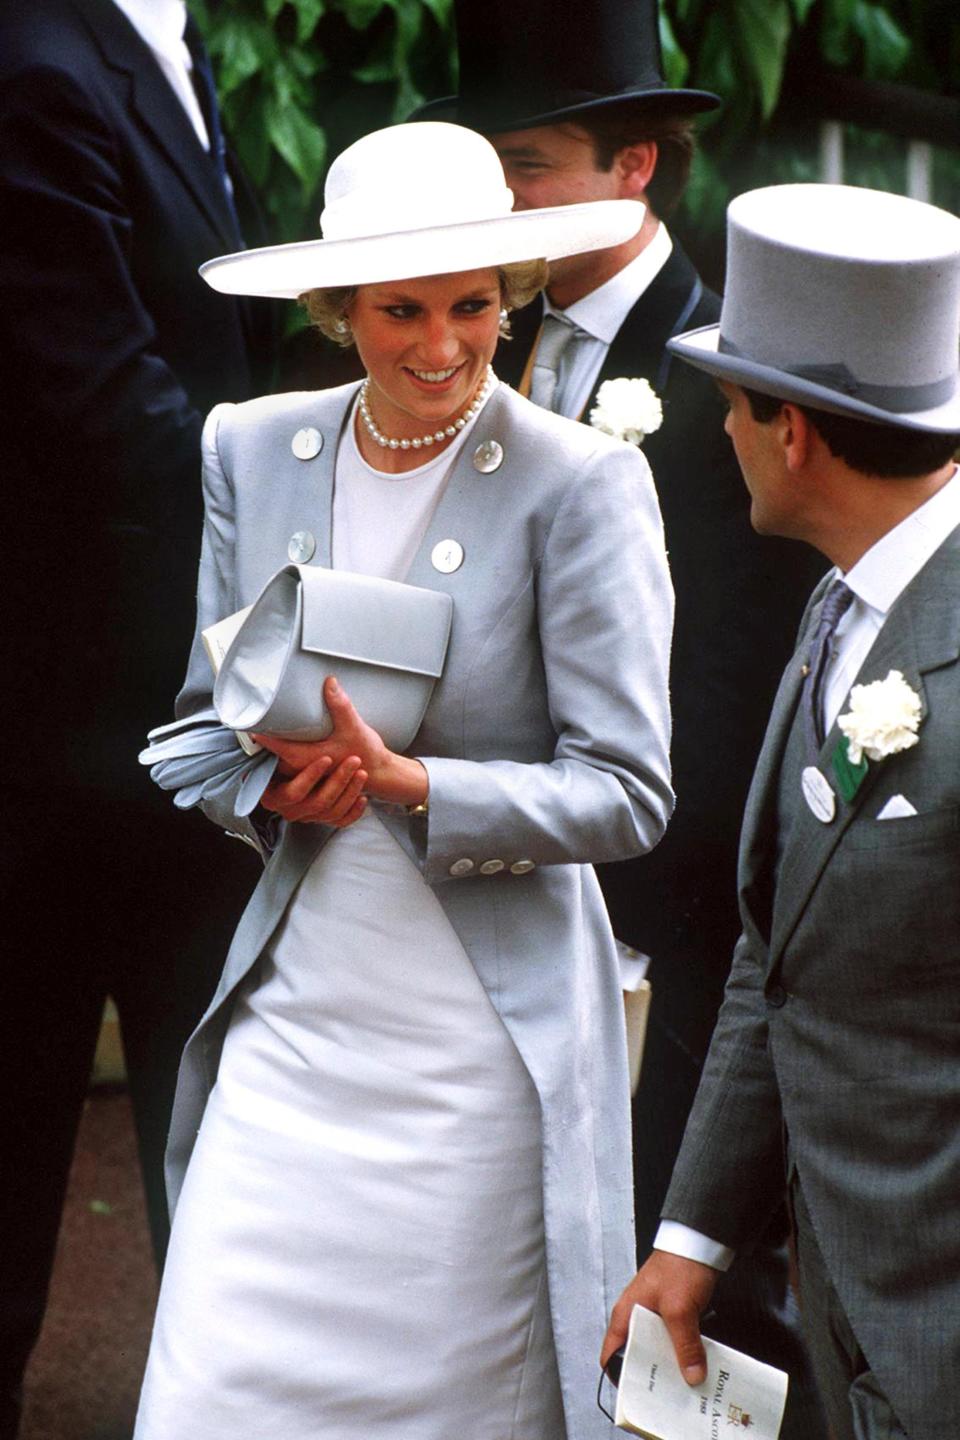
{"points": [[389, 776]]}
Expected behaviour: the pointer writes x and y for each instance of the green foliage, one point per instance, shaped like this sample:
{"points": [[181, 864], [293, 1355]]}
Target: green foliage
{"points": [[755, 53], [300, 79]]}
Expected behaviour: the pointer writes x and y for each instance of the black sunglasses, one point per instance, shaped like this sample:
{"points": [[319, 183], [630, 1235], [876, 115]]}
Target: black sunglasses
{"points": [[612, 1372]]}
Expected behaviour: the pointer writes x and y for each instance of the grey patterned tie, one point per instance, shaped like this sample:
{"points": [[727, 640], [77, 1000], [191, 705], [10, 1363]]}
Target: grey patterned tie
{"points": [[555, 336], [835, 605]]}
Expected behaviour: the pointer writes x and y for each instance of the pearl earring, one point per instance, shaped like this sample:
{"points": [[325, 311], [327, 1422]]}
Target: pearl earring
{"points": [[341, 326], [503, 316]]}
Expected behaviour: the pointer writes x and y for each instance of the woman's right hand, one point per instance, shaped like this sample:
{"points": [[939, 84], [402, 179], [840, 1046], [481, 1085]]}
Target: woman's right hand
{"points": [[319, 792]]}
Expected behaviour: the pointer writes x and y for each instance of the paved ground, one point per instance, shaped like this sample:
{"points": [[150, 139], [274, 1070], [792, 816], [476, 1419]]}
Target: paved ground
{"points": [[85, 1373]]}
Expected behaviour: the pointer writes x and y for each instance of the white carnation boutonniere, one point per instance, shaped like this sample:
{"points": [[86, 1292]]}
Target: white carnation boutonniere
{"points": [[883, 720], [627, 409]]}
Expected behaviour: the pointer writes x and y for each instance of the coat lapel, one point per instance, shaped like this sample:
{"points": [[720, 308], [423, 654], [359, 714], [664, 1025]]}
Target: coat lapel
{"points": [[758, 840], [639, 346], [921, 633], [511, 355], [158, 111], [463, 513]]}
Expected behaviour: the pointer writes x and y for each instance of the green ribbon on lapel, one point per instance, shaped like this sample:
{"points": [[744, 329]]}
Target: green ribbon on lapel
{"points": [[849, 776]]}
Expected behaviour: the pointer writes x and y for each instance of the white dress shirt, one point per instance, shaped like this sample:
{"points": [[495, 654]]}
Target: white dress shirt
{"points": [[160, 24], [877, 580], [600, 315]]}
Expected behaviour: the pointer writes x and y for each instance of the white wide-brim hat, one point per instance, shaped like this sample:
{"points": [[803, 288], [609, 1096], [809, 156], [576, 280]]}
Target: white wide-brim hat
{"points": [[420, 199], [843, 299]]}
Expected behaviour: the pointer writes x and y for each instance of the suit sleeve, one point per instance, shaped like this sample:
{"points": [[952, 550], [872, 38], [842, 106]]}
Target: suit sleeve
{"points": [[729, 1174], [83, 344], [216, 598], [605, 607]]}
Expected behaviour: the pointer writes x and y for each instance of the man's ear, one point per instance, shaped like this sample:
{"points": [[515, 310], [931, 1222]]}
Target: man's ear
{"points": [[635, 165], [796, 436]]}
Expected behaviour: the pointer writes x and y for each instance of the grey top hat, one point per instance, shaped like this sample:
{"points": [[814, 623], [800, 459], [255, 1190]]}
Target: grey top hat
{"points": [[842, 299]]}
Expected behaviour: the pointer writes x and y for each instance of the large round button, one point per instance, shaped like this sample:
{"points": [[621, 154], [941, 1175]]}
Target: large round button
{"points": [[488, 457], [492, 867], [307, 443], [301, 547], [522, 867], [777, 997], [447, 556], [461, 867]]}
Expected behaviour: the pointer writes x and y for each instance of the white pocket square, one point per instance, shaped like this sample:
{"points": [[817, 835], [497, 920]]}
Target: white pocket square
{"points": [[898, 807]]}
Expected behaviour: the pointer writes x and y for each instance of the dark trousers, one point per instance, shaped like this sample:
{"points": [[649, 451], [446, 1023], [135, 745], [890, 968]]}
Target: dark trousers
{"points": [[754, 1308], [855, 1403], [102, 895]]}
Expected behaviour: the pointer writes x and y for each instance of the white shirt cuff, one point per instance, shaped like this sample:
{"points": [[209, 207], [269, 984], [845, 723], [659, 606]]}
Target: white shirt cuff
{"points": [[679, 1239]]}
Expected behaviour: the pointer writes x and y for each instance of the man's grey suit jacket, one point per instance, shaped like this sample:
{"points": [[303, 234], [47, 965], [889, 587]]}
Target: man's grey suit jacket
{"points": [[841, 1024]]}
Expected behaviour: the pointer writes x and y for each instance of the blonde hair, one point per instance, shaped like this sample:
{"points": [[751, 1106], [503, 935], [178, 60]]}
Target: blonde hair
{"points": [[327, 308]]}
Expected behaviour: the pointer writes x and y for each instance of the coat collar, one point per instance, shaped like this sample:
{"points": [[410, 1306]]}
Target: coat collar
{"points": [[638, 349], [462, 513], [921, 634], [159, 111]]}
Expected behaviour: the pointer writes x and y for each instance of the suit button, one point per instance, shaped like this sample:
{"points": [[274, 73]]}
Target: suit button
{"points": [[461, 867], [776, 996], [522, 867], [301, 547], [491, 867], [306, 444]]}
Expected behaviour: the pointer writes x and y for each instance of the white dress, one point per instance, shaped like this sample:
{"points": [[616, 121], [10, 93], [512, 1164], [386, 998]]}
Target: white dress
{"points": [[358, 1248]]}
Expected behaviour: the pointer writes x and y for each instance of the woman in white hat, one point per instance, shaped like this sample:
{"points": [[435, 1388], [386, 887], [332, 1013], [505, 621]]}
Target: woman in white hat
{"points": [[408, 1208]]}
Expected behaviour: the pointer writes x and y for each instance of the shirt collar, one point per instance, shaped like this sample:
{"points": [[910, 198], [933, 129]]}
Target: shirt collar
{"points": [[160, 23], [603, 311], [884, 572]]}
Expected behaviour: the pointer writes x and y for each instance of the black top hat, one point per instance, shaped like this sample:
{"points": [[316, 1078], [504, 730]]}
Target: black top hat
{"points": [[543, 61]]}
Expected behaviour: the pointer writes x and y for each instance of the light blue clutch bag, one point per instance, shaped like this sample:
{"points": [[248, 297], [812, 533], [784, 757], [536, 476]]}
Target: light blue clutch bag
{"points": [[386, 643]]}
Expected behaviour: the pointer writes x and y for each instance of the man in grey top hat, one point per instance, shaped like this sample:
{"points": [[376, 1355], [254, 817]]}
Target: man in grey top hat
{"points": [[576, 105], [832, 1075]]}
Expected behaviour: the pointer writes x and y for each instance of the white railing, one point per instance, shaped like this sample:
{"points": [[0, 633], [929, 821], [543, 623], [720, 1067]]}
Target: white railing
{"points": [[919, 160]]}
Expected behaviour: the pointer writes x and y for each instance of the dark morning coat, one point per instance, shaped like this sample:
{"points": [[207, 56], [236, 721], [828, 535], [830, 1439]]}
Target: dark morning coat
{"points": [[841, 1023], [111, 352], [739, 600]]}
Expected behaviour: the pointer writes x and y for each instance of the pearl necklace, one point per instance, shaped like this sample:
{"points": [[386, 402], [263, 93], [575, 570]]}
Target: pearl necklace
{"points": [[438, 436]]}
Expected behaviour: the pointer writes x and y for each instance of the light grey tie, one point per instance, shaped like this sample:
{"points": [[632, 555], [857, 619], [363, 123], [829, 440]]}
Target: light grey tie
{"points": [[836, 603], [555, 336]]}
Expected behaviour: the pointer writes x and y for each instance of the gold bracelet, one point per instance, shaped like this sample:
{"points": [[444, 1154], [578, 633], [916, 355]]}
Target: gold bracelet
{"points": [[422, 809]]}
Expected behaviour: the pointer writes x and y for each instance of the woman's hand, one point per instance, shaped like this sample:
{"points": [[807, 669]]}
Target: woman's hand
{"points": [[322, 775], [317, 793]]}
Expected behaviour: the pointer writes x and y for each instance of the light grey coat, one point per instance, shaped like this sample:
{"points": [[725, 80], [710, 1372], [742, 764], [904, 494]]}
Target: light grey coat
{"points": [[546, 741], [841, 1023]]}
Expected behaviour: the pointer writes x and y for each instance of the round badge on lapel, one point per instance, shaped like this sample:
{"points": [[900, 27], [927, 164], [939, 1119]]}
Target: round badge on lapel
{"points": [[488, 457], [307, 443], [447, 556], [818, 795], [301, 547]]}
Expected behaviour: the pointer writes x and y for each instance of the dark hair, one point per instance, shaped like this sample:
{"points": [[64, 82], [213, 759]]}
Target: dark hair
{"points": [[615, 129], [889, 451]]}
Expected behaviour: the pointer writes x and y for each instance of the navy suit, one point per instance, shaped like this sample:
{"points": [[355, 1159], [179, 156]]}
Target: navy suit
{"points": [[739, 600], [111, 352]]}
